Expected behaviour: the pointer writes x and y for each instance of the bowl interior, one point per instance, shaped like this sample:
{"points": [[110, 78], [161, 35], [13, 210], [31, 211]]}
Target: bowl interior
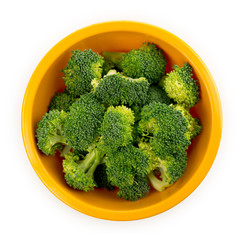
{"points": [[52, 81]]}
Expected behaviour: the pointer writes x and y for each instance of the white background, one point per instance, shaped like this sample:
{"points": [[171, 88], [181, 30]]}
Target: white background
{"points": [[214, 29]]}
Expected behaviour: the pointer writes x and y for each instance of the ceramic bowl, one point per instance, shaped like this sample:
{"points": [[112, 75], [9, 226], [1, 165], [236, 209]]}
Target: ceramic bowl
{"points": [[121, 36]]}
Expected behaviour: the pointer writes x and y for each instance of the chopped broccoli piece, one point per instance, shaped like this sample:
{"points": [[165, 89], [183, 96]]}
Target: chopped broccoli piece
{"points": [[181, 87], [116, 89], [61, 101], [101, 178], [82, 68], [194, 126], [148, 61], [116, 128], [81, 127], [169, 169], [79, 173], [139, 189], [165, 128], [124, 164], [49, 132]]}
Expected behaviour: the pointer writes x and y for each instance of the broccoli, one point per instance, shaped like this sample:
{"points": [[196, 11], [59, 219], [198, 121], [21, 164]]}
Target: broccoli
{"points": [[137, 112], [82, 68], [116, 89], [81, 127], [126, 131], [107, 66], [169, 169], [124, 164], [148, 61], [180, 86], [49, 132], [139, 189], [101, 178], [165, 128], [157, 94], [79, 173], [116, 128], [61, 101], [147, 149], [193, 124]]}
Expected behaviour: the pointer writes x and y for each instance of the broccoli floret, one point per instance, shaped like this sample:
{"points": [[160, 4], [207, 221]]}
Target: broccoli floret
{"points": [[127, 169], [82, 68], [148, 61], [81, 127], [61, 101], [116, 89], [158, 94], [169, 169], [49, 132], [181, 87], [194, 126], [124, 164], [107, 66], [79, 173], [101, 178], [116, 128], [165, 128], [139, 189]]}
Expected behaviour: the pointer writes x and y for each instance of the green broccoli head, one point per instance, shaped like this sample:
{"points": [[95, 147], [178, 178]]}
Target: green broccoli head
{"points": [[82, 68], [101, 178], [124, 164], [170, 170], [49, 132], [139, 189], [165, 128], [116, 128], [61, 101], [79, 173], [147, 61], [194, 126], [81, 127], [181, 87], [158, 94], [116, 89]]}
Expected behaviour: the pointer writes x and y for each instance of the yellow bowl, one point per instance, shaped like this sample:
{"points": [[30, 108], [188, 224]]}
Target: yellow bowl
{"points": [[120, 36]]}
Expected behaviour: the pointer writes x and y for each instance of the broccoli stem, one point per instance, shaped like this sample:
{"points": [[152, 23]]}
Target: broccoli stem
{"points": [[88, 160], [65, 150], [57, 139], [91, 161], [156, 183], [114, 57], [98, 158]]}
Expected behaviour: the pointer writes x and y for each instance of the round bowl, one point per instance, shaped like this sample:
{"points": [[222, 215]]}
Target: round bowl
{"points": [[120, 36]]}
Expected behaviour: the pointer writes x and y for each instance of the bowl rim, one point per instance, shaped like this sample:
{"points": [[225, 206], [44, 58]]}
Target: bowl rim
{"points": [[66, 197]]}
